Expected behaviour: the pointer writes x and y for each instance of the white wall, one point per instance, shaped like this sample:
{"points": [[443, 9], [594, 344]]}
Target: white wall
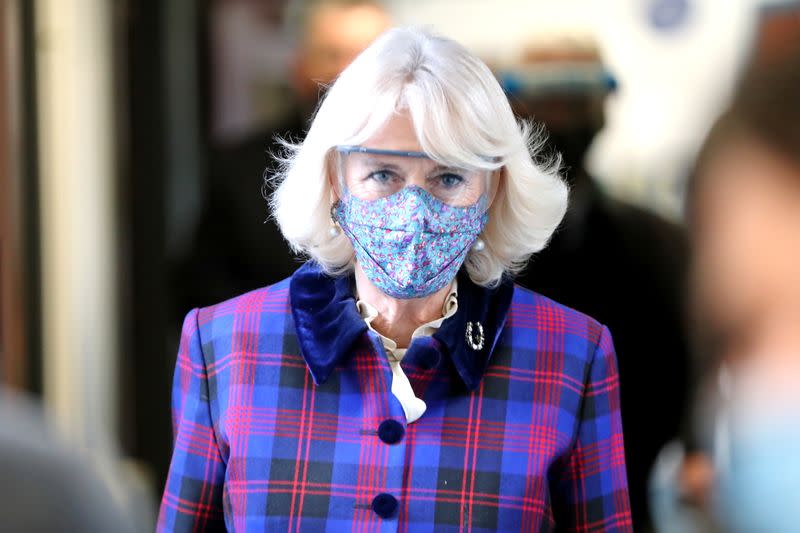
{"points": [[76, 154]]}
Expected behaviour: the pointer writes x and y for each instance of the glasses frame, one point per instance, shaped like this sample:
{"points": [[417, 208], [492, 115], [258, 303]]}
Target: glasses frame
{"points": [[354, 148]]}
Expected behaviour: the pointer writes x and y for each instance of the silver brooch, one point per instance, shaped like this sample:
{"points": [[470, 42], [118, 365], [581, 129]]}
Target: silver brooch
{"points": [[475, 335]]}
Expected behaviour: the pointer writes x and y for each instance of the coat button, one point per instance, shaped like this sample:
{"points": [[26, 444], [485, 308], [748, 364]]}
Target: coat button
{"points": [[391, 431], [384, 505]]}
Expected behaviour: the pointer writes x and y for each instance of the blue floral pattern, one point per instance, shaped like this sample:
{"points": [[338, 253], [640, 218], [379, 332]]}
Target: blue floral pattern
{"points": [[410, 244]]}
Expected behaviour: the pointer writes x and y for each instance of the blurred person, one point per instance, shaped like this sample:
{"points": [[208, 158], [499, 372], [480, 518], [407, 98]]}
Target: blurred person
{"points": [[399, 380], [45, 486], [744, 215], [250, 48], [236, 247], [609, 259], [332, 34]]}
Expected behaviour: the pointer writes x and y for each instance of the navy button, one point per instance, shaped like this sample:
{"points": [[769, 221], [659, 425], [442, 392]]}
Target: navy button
{"points": [[391, 431], [384, 505]]}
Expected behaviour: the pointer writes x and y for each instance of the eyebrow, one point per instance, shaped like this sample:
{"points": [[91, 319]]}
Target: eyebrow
{"points": [[375, 162], [451, 168]]}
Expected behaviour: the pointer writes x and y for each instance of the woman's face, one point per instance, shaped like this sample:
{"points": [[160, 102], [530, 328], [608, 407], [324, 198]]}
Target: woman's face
{"points": [[371, 175], [411, 220]]}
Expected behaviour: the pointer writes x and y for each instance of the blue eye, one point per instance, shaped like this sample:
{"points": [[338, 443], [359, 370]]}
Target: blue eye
{"points": [[450, 180], [381, 176]]}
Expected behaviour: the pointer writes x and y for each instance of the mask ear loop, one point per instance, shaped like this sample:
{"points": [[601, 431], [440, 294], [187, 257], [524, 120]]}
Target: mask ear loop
{"points": [[335, 228], [498, 174], [480, 245]]}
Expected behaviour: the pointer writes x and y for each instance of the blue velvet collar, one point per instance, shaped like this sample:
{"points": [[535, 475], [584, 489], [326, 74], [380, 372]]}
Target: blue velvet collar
{"points": [[328, 323]]}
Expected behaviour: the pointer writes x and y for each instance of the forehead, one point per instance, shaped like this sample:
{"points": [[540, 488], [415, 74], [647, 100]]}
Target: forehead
{"points": [[405, 130], [397, 133]]}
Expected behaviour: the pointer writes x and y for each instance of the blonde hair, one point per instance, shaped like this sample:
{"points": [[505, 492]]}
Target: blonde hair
{"points": [[460, 115]]}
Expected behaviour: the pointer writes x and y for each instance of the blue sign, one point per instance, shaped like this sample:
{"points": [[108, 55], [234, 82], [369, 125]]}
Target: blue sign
{"points": [[667, 15]]}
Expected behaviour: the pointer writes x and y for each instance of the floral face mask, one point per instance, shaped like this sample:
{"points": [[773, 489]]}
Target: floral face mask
{"points": [[410, 244]]}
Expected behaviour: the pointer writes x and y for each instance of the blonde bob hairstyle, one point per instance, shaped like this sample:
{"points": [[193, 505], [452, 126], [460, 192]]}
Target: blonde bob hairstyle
{"points": [[461, 117]]}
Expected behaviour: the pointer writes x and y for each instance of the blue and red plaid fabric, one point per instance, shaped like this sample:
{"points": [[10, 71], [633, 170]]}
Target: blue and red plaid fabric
{"points": [[522, 435]]}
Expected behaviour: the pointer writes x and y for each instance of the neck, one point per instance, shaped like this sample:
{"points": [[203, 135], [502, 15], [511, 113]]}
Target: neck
{"points": [[397, 319]]}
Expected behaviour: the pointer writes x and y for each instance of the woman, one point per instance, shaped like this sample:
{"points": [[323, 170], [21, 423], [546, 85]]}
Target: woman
{"points": [[399, 379]]}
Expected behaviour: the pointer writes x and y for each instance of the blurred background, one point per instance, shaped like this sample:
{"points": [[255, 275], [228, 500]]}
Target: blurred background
{"points": [[135, 136]]}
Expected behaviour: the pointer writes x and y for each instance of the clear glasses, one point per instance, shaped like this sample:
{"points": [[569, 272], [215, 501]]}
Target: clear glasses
{"points": [[372, 174]]}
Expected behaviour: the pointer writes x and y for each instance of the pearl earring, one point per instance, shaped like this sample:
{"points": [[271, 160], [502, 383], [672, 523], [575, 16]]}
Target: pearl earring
{"points": [[479, 246], [335, 229]]}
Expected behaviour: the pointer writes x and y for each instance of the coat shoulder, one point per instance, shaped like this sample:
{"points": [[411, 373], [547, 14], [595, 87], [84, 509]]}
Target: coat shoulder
{"points": [[256, 300], [245, 321], [531, 310]]}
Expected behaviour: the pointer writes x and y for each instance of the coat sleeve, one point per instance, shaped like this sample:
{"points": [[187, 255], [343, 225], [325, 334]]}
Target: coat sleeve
{"points": [[592, 492], [192, 499]]}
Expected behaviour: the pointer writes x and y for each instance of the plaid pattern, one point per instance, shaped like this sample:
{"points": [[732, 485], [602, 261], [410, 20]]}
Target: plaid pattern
{"points": [[536, 446]]}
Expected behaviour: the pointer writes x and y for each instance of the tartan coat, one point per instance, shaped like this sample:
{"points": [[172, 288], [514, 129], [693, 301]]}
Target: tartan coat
{"points": [[284, 418]]}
